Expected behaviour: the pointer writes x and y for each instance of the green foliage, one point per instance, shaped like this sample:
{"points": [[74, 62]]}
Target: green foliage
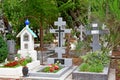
{"points": [[28, 59], [46, 69], [96, 68], [94, 62], [48, 38], [3, 49], [84, 67], [24, 62], [107, 12], [10, 37], [91, 68], [81, 46]]}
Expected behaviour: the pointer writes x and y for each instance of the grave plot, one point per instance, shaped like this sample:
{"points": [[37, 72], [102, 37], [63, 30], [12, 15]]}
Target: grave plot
{"points": [[96, 63], [14, 68], [62, 64], [40, 72]]}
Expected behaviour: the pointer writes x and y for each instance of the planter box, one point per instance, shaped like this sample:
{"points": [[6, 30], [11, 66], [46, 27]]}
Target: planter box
{"points": [[18, 70], [45, 74], [77, 75]]}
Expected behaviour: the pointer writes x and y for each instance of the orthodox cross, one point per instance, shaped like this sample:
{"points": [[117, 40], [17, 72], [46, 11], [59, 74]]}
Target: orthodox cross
{"points": [[60, 31], [96, 32], [81, 29]]}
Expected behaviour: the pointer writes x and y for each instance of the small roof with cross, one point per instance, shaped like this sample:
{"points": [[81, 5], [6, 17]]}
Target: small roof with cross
{"points": [[28, 29]]}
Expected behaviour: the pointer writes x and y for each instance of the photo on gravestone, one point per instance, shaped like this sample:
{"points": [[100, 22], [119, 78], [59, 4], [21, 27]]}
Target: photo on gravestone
{"points": [[62, 61]]}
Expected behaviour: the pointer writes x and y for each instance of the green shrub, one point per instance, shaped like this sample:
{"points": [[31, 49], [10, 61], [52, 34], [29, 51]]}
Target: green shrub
{"points": [[84, 67], [3, 50], [94, 62], [96, 68]]}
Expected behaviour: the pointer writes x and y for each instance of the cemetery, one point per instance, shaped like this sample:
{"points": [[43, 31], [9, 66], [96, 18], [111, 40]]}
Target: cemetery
{"points": [[59, 40]]}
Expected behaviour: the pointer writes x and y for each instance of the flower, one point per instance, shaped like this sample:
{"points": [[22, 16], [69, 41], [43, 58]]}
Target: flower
{"points": [[11, 64], [52, 68], [18, 62]]}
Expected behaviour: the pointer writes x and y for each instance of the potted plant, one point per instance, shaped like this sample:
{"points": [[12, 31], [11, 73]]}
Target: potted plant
{"points": [[25, 70]]}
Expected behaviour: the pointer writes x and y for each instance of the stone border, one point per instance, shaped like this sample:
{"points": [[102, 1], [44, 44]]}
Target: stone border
{"points": [[78, 75], [43, 74]]}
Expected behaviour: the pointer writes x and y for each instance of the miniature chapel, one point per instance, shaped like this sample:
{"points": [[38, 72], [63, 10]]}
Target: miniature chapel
{"points": [[27, 42]]}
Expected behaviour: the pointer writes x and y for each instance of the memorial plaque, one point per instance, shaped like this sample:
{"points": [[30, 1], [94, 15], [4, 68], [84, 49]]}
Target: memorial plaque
{"points": [[60, 61]]}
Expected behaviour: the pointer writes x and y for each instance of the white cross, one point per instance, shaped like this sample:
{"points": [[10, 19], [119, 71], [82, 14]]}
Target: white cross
{"points": [[60, 22], [60, 31], [80, 28]]}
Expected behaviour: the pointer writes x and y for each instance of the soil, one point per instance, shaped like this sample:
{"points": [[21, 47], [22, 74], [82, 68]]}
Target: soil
{"points": [[115, 63]]}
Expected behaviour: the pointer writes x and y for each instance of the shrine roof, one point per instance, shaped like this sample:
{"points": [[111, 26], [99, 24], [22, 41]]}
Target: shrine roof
{"points": [[29, 30]]}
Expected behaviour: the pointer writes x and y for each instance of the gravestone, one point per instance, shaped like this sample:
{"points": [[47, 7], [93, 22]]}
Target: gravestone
{"points": [[60, 31], [96, 32], [27, 42], [11, 49], [60, 49]]}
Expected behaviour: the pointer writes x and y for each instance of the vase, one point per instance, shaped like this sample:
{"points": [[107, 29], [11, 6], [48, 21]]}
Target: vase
{"points": [[25, 71]]}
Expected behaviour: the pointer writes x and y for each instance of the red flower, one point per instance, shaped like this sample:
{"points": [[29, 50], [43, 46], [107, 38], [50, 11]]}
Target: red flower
{"points": [[56, 67], [11, 64], [51, 69]]}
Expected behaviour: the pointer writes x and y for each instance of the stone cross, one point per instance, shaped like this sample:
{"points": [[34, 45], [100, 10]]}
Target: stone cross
{"points": [[80, 28], [61, 32], [95, 32]]}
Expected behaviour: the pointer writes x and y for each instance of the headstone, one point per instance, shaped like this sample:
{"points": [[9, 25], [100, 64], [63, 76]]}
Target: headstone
{"points": [[61, 32], [27, 42], [11, 49], [11, 46], [60, 49], [96, 32]]}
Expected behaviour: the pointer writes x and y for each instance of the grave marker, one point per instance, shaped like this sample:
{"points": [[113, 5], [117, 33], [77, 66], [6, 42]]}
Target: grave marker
{"points": [[61, 32], [27, 42], [96, 32], [81, 29]]}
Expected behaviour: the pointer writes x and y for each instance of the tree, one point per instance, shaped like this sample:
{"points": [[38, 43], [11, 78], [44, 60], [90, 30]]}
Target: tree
{"points": [[3, 49]]}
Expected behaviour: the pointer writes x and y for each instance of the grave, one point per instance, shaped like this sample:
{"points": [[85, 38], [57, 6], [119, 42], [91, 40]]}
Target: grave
{"points": [[27, 49], [60, 49], [27, 42], [66, 63], [96, 32], [86, 75], [38, 72]]}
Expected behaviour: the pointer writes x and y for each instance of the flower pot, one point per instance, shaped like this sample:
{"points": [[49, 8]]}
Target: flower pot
{"points": [[25, 71]]}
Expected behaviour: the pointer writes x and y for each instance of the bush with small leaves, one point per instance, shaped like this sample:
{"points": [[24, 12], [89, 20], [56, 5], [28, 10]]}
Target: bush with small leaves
{"points": [[3, 50]]}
